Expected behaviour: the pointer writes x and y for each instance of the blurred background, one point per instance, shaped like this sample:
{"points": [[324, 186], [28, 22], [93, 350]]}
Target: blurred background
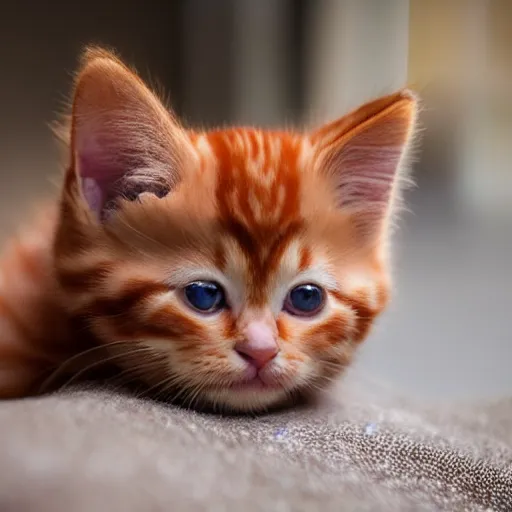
{"points": [[296, 62]]}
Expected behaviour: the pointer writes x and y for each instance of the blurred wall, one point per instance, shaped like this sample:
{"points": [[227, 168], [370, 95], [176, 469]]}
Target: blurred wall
{"points": [[261, 64], [358, 50]]}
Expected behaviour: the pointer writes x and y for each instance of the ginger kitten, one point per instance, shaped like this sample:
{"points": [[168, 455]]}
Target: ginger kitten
{"points": [[237, 268]]}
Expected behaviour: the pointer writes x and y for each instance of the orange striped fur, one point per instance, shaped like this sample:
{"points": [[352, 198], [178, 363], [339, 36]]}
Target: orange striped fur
{"points": [[256, 211]]}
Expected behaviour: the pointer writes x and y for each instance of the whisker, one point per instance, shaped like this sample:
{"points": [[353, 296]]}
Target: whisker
{"points": [[68, 362], [199, 390], [143, 235], [192, 391], [128, 374], [195, 393], [165, 383], [96, 364]]}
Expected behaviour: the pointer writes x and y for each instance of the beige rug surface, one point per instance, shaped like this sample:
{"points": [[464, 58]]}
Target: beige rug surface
{"points": [[94, 449]]}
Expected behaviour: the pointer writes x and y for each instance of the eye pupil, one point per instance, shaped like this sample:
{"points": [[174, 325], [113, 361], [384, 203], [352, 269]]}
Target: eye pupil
{"points": [[205, 296], [305, 299]]}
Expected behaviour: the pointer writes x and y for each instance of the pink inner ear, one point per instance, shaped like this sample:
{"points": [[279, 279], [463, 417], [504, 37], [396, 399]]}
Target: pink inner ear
{"points": [[100, 166], [93, 148], [364, 169], [110, 173], [93, 194], [365, 176]]}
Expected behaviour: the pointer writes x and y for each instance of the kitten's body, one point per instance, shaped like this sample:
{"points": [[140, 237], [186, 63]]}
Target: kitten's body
{"points": [[34, 331], [148, 208]]}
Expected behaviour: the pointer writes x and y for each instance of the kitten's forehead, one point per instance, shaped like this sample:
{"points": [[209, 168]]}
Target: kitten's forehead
{"points": [[257, 195], [258, 177]]}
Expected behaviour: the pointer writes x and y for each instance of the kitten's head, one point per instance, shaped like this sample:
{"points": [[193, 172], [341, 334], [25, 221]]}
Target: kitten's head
{"points": [[238, 267]]}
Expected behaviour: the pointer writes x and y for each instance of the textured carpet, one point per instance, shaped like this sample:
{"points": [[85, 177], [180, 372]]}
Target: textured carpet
{"points": [[359, 449]]}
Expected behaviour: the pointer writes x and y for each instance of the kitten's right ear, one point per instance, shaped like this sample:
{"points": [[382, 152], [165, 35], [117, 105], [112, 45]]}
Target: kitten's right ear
{"points": [[123, 140]]}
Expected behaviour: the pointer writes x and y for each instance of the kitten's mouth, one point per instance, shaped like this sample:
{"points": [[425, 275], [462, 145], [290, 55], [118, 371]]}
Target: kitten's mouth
{"points": [[252, 393]]}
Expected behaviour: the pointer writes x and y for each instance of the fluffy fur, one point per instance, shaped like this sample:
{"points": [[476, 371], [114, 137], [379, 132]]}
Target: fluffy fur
{"points": [[148, 207]]}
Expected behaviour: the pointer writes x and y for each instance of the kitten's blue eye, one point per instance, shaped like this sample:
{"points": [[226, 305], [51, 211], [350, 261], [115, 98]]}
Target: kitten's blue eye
{"points": [[305, 300], [205, 296]]}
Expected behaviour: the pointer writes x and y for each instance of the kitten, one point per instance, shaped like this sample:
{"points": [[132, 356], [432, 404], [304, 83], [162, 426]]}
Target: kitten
{"points": [[238, 268]]}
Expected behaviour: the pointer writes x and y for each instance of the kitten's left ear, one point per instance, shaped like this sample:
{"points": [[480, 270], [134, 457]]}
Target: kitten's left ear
{"points": [[123, 140], [362, 156]]}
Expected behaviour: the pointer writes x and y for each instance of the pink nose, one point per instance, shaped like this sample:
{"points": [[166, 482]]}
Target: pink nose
{"points": [[259, 346]]}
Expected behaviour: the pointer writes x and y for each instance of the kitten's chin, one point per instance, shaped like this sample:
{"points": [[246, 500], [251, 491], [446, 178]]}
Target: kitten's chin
{"points": [[253, 396]]}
